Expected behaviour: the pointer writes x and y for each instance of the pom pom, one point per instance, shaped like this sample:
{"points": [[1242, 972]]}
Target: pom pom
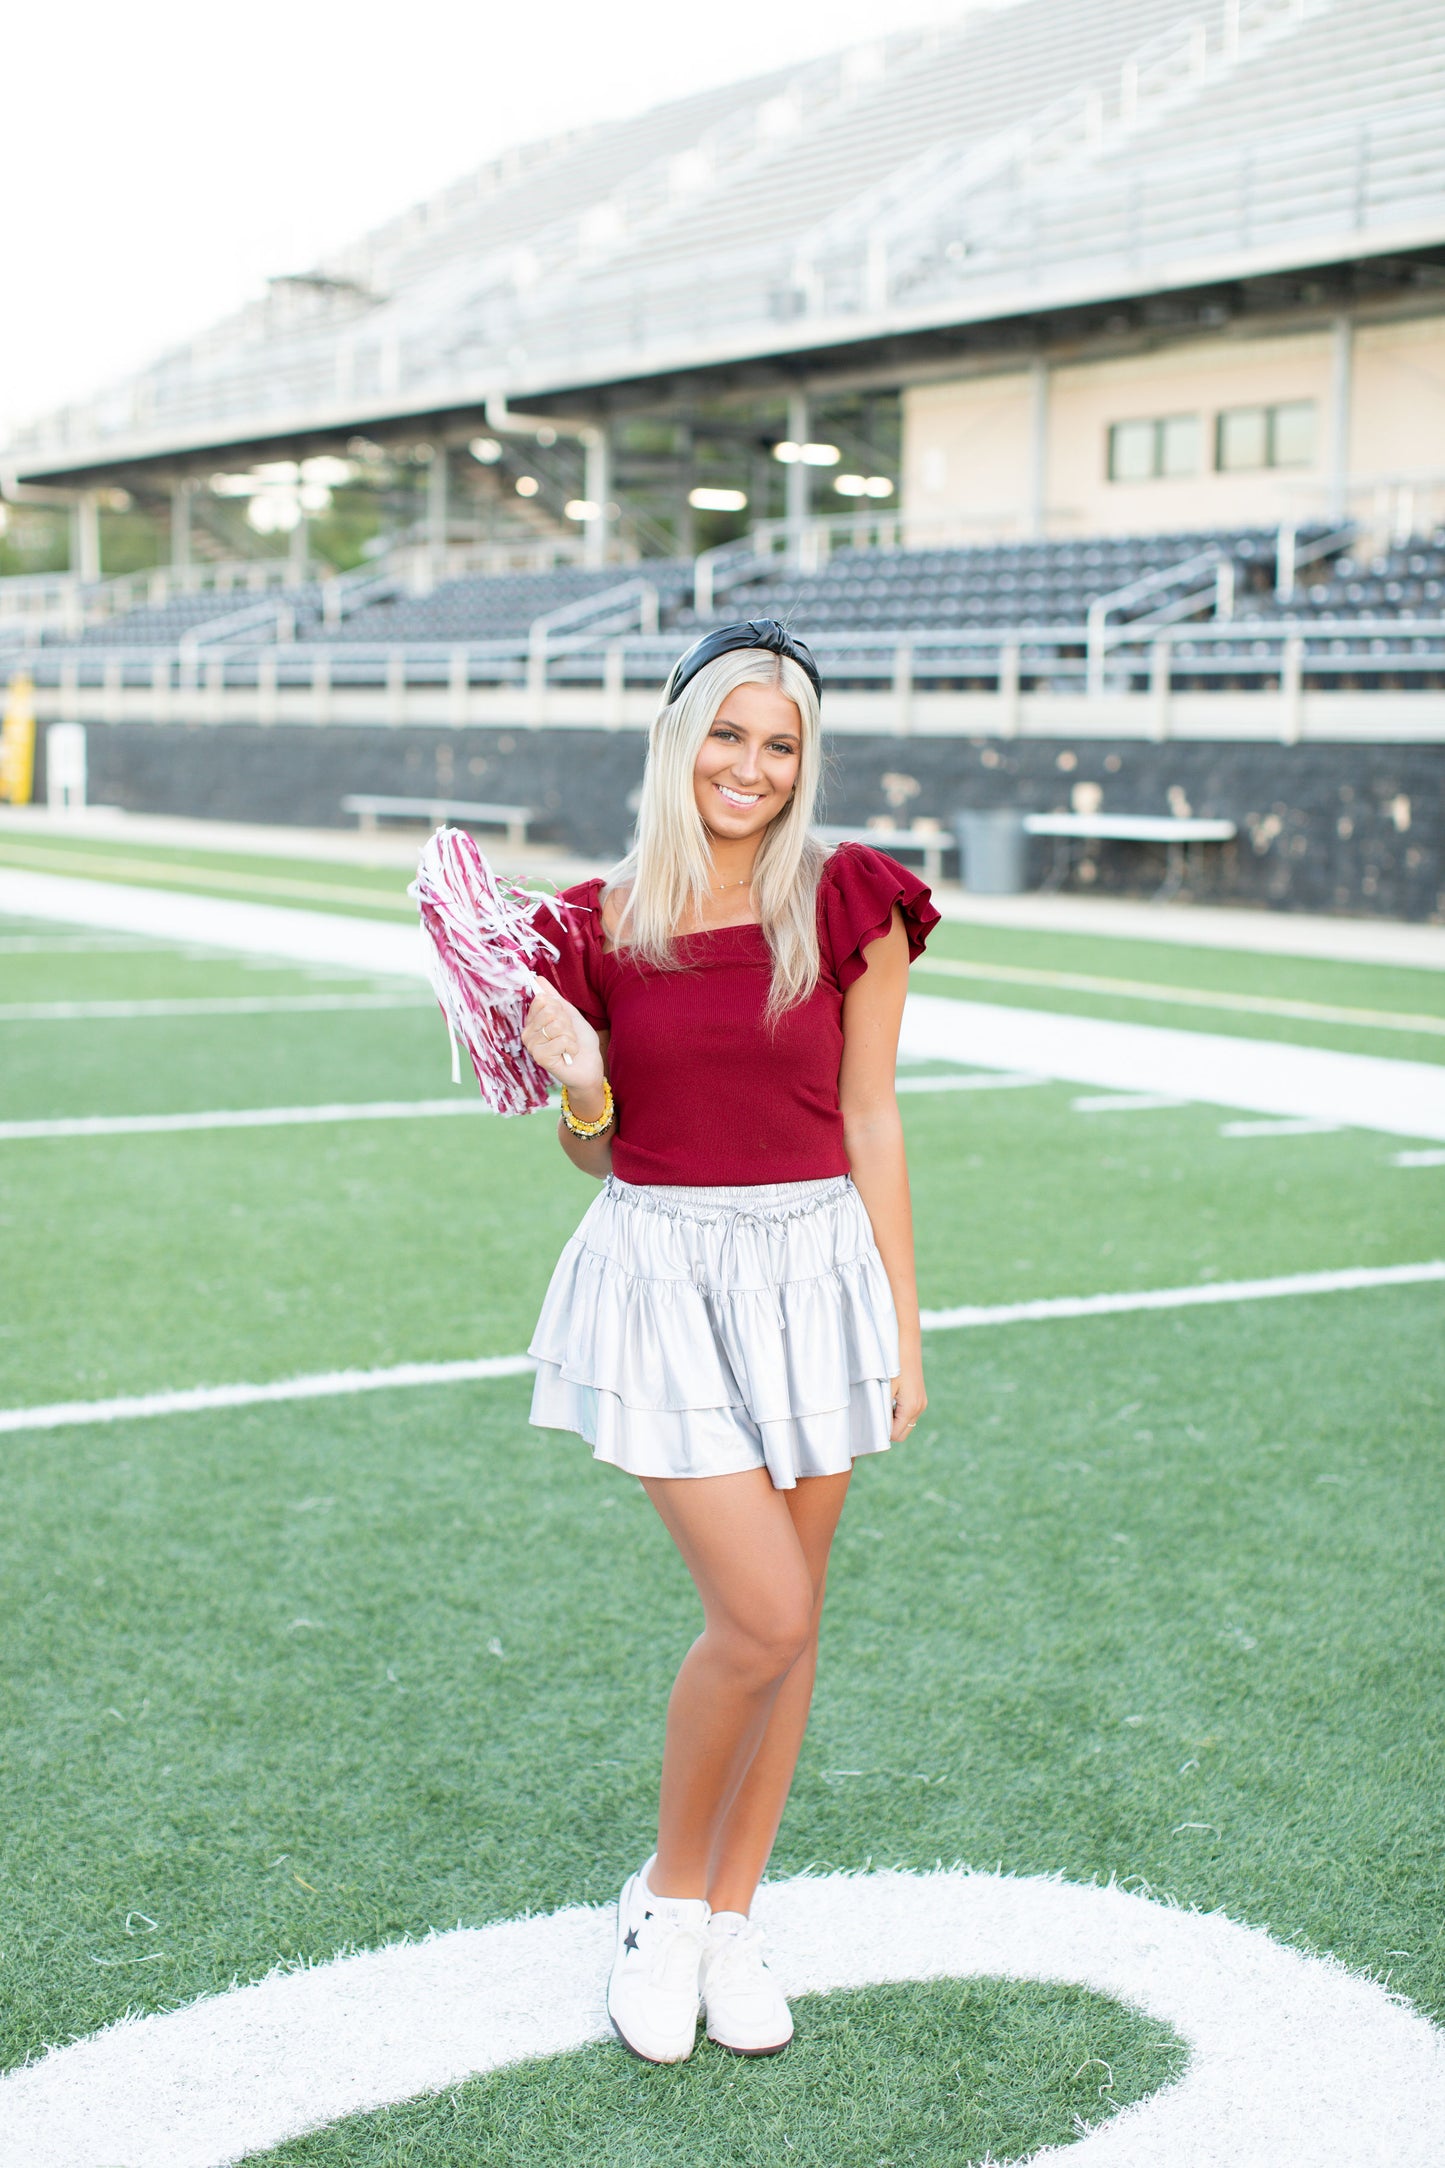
{"points": [[483, 945]]}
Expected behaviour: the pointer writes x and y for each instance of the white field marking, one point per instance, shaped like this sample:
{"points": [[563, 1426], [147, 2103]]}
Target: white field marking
{"points": [[986, 1080], [375, 946], [1418, 1159], [1291, 2058], [1188, 997], [1259, 1076], [69, 944], [327, 1384], [202, 878], [1205, 1293], [147, 1125], [1300, 1128], [1253, 932], [1124, 1103], [85, 1012]]}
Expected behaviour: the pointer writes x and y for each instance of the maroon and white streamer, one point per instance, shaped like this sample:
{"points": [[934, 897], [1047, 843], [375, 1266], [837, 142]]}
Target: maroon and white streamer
{"points": [[483, 947]]}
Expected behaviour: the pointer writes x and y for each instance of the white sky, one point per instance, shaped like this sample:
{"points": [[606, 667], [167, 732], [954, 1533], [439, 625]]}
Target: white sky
{"points": [[159, 159]]}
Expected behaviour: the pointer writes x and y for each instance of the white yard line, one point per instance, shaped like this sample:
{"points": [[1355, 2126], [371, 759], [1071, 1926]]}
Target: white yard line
{"points": [[1202, 1296], [71, 944], [1259, 1076], [327, 1385], [1124, 1103], [248, 929], [1300, 1127], [1255, 933], [150, 1125], [180, 1005], [1418, 1159], [981, 1081], [1186, 997], [1291, 2058]]}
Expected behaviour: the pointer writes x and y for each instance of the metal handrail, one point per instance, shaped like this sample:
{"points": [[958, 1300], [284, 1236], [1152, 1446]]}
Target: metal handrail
{"points": [[1101, 608]]}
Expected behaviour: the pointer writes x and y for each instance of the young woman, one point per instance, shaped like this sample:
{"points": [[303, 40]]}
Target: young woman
{"points": [[736, 1318]]}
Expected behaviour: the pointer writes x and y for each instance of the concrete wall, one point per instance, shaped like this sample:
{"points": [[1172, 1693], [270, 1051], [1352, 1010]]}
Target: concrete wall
{"points": [[968, 444], [1324, 827]]}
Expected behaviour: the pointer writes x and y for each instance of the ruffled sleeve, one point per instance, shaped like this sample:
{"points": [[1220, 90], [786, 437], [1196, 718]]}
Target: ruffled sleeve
{"points": [[576, 972], [857, 893]]}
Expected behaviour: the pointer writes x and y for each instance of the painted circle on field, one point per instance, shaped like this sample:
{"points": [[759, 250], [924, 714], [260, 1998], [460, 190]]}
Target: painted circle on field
{"points": [[1292, 2058]]}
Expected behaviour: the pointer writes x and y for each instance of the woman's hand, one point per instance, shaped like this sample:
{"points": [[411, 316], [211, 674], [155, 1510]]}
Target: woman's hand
{"points": [[909, 1400], [561, 1039]]}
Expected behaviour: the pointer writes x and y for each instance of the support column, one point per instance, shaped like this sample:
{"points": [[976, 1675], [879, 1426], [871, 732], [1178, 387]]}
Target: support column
{"points": [[1037, 502], [597, 488], [299, 552], [85, 537], [799, 487], [438, 511], [1342, 372], [181, 494]]}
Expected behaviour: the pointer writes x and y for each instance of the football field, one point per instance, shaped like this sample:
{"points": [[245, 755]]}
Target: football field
{"points": [[1152, 1600]]}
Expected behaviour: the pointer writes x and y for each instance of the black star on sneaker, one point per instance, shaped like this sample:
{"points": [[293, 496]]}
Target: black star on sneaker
{"points": [[629, 1940]]}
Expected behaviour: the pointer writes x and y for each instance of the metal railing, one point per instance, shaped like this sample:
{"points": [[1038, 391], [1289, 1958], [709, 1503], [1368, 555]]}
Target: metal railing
{"points": [[893, 681], [1009, 236]]}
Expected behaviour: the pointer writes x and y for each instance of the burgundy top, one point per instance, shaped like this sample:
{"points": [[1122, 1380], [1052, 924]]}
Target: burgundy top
{"points": [[706, 1092]]}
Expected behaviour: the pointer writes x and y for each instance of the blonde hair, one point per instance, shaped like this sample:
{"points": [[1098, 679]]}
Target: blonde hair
{"points": [[667, 873]]}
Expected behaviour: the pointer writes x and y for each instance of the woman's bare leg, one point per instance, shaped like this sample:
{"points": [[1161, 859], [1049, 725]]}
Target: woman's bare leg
{"points": [[758, 1558], [750, 1827], [739, 1543]]}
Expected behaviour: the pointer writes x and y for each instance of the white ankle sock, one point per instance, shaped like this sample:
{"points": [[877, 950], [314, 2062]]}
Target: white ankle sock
{"points": [[728, 1923]]}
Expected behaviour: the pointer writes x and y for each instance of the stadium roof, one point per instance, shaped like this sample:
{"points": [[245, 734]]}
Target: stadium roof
{"points": [[1030, 159]]}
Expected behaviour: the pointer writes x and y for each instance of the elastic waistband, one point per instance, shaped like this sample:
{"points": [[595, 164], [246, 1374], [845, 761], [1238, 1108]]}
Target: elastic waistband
{"points": [[744, 1197]]}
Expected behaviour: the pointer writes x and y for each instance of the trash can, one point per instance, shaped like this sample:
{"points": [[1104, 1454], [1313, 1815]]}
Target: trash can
{"points": [[992, 849]]}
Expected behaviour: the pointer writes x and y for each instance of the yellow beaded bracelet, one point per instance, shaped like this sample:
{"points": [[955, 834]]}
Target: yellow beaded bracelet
{"points": [[588, 1129]]}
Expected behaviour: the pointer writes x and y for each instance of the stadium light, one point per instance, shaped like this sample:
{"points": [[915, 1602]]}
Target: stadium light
{"points": [[819, 455], [878, 485], [326, 472], [788, 452], [850, 485], [276, 513], [718, 500], [485, 450], [235, 485], [582, 508], [527, 485]]}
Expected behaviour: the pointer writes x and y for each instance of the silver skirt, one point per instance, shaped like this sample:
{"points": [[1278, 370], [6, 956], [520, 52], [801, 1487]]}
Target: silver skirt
{"points": [[693, 1332]]}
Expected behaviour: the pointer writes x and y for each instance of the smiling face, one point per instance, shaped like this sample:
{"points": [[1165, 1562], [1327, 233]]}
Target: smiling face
{"points": [[748, 762]]}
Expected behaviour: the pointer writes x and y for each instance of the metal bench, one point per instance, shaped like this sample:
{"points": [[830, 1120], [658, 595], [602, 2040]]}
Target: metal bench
{"points": [[1176, 832], [438, 811], [931, 842]]}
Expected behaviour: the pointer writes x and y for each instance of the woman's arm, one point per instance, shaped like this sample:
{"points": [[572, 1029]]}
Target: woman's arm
{"points": [[562, 1040], [873, 1140]]}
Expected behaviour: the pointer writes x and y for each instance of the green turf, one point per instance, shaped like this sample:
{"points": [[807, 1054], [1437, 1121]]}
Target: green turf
{"points": [[301, 884], [1130, 1574], [223, 1254], [923, 2076], [1133, 1573], [1396, 994]]}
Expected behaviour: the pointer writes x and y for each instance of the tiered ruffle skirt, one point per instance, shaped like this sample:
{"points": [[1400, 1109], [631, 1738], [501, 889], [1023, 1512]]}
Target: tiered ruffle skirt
{"points": [[691, 1332]]}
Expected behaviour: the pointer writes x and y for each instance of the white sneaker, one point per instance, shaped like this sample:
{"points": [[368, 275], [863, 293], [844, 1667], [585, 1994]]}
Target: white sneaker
{"points": [[652, 1996], [745, 2007]]}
